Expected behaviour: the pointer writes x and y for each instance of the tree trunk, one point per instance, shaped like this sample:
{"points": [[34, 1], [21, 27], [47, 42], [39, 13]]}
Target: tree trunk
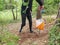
{"points": [[12, 7], [16, 12], [13, 14]]}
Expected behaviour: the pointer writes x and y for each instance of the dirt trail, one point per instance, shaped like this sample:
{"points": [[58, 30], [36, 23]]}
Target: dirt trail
{"points": [[27, 38]]}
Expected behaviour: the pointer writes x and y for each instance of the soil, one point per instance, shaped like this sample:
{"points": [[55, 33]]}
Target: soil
{"points": [[27, 38]]}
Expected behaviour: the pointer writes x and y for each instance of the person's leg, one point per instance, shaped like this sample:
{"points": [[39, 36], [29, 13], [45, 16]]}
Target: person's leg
{"points": [[23, 21], [30, 20], [23, 17]]}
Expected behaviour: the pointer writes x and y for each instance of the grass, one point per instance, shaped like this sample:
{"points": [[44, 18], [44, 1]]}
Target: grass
{"points": [[49, 19], [6, 17], [7, 38]]}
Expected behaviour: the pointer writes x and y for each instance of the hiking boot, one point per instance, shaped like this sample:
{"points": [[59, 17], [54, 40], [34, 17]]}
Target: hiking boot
{"points": [[31, 31], [20, 30]]}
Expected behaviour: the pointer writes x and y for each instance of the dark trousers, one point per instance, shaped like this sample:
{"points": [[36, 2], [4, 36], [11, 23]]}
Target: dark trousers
{"points": [[23, 16]]}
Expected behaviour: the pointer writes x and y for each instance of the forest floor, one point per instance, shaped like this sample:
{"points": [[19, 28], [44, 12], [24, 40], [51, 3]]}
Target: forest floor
{"points": [[27, 38]]}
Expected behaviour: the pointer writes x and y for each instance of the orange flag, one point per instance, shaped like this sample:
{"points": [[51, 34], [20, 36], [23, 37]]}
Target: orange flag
{"points": [[40, 24]]}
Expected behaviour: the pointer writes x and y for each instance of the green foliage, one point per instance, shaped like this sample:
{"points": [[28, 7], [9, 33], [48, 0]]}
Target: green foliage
{"points": [[49, 19], [56, 1], [7, 4], [6, 17], [7, 38], [54, 35], [51, 6], [1, 5]]}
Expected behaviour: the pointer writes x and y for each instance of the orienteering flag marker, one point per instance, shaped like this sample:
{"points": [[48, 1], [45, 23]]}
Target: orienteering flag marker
{"points": [[40, 24]]}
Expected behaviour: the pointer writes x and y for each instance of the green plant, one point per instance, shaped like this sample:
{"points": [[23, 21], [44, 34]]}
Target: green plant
{"points": [[49, 19], [54, 35], [8, 38]]}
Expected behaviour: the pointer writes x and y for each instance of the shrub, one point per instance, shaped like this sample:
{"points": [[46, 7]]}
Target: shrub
{"points": [[54, 35]]}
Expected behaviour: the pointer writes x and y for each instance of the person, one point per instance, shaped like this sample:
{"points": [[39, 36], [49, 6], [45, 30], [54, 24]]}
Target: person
{"points": [[26, 10]]}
